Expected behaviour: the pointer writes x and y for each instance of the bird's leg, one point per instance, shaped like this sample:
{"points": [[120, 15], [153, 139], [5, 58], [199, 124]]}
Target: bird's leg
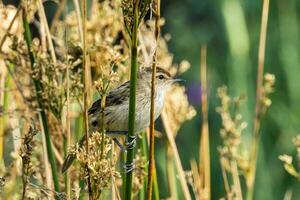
{"points": [[130, 143], [123, 149]]}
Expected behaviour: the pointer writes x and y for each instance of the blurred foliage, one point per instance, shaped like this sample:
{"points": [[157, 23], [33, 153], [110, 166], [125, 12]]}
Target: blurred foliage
{"points": [[231, 31]]}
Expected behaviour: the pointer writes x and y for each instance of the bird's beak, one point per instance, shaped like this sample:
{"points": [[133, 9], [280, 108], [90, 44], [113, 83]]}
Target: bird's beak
{"points": [[174, 80]]}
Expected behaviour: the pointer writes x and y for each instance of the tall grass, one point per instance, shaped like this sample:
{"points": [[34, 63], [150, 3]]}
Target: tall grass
{"points": [[45, 125], [98, 48], [85, 91], [204, 153], [132, 99], [259, 95], [151, 168]]}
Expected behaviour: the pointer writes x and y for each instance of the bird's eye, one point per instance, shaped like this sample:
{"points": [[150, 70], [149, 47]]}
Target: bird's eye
{"points": [[161, 77]]}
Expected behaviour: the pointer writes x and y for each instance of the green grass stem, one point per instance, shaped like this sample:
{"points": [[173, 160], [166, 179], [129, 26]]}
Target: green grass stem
{"points": [[132, 100], [38, 88]]}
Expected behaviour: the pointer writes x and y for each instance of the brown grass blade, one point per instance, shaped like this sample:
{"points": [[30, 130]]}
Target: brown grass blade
{"points": [[151, 167], [204, 157], [259, 87], [181, 175], [45, 22]]}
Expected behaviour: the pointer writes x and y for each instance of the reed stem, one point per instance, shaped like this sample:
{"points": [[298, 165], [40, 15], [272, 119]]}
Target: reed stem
{"points": [[132, 100], [259, 86], [204, 160], [85, 95], [181, 174], [42, 113], [151, 169]]}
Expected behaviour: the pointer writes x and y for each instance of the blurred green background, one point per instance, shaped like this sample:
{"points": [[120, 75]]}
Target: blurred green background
{"points": [[231, 28]]}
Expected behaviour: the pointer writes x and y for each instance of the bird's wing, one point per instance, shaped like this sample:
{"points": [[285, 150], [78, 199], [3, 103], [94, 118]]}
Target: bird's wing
{"points": [[114, 97]]}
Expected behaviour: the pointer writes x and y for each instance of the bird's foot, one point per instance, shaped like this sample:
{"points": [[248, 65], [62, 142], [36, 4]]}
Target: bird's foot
{"points": [[130, 141]]}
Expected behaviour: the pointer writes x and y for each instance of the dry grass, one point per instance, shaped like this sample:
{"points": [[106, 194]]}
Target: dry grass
{"points": [[50, 82], [69, 69]]}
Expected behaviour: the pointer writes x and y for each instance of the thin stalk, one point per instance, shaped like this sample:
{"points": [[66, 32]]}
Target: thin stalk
{"points": [[102, 125], [259, 86], [3, 93], [57, 14], [225, 179], [57, 155], [48, 181], [25, 169], [78, 17], [155, 185], [102, 129], [9, 27], [181, 175], [204, 160], [197, 187], [142, 192], [236, 180], [85, 102], [122, 160], [132, 100], [48, 34], [151, 168], [113, 185], [171, 175], [68, 138], [43, 116], [43, 36], [144, 151], [67, 175], [115, 192]]}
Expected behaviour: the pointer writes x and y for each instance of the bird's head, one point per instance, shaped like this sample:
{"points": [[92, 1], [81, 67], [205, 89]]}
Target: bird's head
{"points": [[163, 79]]}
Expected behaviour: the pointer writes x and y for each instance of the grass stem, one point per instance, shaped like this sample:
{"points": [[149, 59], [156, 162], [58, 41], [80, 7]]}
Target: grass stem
{"points": [[259, 87], [68, 127], [42, 113], [204, 160], [132, 99], [85, 93], [171, 175], [151, 169], [9, 27], [57, 14], [3, 94], [178, 164], [48, 34]]}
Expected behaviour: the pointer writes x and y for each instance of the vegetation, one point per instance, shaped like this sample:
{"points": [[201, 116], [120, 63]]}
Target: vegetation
{"points": [[53, 70]]}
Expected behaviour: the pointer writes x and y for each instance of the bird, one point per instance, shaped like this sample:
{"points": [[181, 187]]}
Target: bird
{"points": [[116, 109]]}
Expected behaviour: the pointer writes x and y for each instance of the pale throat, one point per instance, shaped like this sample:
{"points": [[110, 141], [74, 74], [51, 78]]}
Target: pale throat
{"points": [[160, 93]]}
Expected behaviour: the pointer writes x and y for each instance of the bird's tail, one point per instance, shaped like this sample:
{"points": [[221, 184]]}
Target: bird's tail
{"points": [[68, 161], [71, 157]]}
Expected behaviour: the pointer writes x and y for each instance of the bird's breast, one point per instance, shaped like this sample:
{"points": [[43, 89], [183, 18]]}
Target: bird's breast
{"points": [[116, 117]]}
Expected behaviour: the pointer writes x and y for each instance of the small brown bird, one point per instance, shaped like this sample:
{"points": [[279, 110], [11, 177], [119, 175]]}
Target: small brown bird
{"points": [[117, 105]]}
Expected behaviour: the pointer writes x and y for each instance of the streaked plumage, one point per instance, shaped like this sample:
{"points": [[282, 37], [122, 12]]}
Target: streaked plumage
{"points": [[117, 105]]}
